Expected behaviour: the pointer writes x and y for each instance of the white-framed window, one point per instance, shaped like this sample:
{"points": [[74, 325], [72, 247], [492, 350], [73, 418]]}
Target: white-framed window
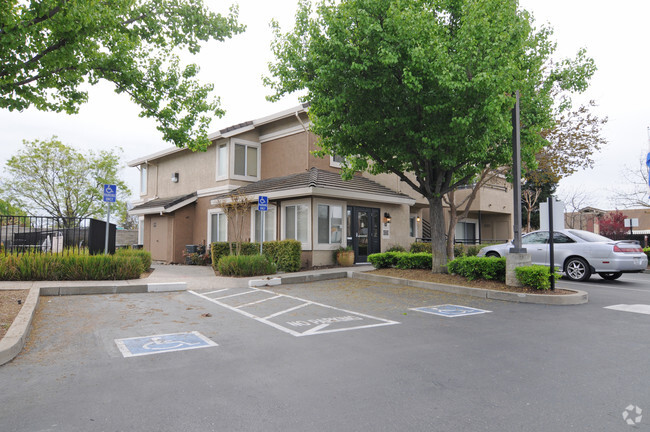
{"points": [[140, 229], [269, 224], [329, 224], [296, 222], [143, 179], [245, 159], [413, 226], [217, 226], [222, 161], [336, 161]]}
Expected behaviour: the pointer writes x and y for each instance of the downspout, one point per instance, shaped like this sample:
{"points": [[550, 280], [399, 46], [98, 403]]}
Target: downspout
{"points": [[308, 142]]}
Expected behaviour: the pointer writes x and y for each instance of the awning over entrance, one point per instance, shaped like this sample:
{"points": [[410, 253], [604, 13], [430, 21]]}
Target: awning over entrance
{"points": [[163, 205]]}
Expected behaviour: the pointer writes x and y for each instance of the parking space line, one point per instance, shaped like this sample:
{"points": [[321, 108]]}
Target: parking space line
{"points": [[217, 291], [258, 302], [235, 295], [287, 310], [318, 329]]}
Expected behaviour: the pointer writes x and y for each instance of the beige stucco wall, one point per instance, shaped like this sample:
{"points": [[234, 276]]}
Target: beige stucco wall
{"points": [[284, 156]]}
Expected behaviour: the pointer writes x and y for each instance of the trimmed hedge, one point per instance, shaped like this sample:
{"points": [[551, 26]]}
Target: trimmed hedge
{"points": [[420, 247], [385, 259], [479, 268], [420, 260], [535, 276], [245, 265], [285, 253], [73, 266], [647, 252]]}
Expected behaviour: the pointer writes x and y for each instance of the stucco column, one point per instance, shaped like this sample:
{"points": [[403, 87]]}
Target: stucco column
{"points": [[514, 260]]}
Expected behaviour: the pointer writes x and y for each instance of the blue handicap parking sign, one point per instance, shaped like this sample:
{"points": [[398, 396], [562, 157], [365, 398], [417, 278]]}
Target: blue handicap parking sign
{"points": [[262, 203], [139, 346], [451, 311], [110, 193]]}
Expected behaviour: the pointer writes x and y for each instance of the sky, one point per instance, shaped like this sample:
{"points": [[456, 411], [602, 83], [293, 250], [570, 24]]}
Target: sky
{"points": [[615, 35]]}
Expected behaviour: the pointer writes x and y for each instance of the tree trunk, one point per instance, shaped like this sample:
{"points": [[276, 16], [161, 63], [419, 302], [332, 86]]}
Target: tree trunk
{"points": [[438, 242], [451, 231]]}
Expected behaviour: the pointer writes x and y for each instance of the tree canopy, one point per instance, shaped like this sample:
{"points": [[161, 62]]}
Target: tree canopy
{"points": [[49, 177], [50, 48], [424, 86]]}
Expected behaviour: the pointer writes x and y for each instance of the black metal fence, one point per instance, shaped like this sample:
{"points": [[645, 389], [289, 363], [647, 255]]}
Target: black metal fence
{"points": [[45, 234]]}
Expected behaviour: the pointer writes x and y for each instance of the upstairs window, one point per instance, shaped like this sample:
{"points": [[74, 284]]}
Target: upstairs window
{"points": [[222, 161], [246, 159], [143, 179]]}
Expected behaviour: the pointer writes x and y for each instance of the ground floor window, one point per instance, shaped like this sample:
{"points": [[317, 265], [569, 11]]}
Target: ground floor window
{"points": [[413, 227], [330, 224], [269, 224], [466, 232], [218, 227], [296, 223]]}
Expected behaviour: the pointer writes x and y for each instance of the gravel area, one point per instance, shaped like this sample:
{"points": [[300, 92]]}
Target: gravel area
{"points": [[9, 307]]}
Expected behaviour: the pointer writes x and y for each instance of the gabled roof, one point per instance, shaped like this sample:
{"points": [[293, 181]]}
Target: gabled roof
{"points": [[225, 133], [321, 183], [163, 205]]}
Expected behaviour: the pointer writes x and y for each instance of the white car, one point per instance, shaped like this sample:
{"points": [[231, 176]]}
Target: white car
{"points": [[579, 254]]}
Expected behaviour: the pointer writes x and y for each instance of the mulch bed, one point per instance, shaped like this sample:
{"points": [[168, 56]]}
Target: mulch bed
{"points": [[451, 279], [9, 307]]}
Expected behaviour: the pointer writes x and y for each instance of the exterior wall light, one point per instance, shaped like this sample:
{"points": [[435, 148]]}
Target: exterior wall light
{"points": [[175, 178], [386, 217]]}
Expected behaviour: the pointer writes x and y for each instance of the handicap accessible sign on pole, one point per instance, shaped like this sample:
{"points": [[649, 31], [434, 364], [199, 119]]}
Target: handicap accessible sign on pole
{"points": [[110, 193]]}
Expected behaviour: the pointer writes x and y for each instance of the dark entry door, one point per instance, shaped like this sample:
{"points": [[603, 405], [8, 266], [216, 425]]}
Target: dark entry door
{"points": [[363, 232]]}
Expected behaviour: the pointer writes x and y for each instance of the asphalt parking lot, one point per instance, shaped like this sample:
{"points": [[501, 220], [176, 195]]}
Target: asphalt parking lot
{"points": [[345, 355]]}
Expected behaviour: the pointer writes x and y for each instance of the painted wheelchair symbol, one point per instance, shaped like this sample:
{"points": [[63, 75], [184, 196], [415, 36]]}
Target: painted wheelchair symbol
{"points": [[159, 343]]}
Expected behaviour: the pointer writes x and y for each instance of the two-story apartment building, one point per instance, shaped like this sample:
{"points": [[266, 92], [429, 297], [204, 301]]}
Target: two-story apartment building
{"points": [[182, 193]]}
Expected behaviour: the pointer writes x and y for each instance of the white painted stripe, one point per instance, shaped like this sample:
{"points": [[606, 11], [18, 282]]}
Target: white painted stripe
{"points": [[259, 301], [287, 310], [314, 331], [635, 308], [217, 291], [238, 294], [576, 285]]}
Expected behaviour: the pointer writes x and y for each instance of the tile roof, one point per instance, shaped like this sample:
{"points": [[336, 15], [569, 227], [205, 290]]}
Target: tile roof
{"points": [[316, 178], [165, 203]]}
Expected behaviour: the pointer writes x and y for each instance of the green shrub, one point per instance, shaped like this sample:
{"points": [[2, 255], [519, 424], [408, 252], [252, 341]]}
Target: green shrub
{"points": [[70, 266], [143, 255], [245, 265], [535, 276], [420, 260], [459, 250], [420, 247], [479, 268], [385, 259], [396, 248], [285, 254], [647, 252]]}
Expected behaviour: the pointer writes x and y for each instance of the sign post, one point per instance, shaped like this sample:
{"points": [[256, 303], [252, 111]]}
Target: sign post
{"points": [[110, 193], [262, 206]]}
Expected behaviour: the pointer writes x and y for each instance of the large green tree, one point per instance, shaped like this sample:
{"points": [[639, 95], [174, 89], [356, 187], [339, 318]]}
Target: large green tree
{"points": [[51, 178], [423, 86], [50, 48]]}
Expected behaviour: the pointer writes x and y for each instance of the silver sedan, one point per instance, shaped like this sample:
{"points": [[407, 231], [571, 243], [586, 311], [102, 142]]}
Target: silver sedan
{"points": [[579, 254]]}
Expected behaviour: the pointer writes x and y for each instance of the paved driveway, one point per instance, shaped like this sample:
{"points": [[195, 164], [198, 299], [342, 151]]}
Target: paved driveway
{"points": [[386, 368]]}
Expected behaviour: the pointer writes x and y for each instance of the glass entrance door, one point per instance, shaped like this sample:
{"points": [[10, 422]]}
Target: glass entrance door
{"points": [[363, 232]]}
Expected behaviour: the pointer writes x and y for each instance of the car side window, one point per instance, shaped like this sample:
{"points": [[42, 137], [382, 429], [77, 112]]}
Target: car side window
{"points": [[539, 237], [561, 238]]}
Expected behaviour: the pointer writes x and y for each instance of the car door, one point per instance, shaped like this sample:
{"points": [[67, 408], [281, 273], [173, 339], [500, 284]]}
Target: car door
{"points": [[563, 247], [536, 244]]}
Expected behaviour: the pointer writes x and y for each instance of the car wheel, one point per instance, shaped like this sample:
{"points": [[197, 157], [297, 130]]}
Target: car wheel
{"points": [[492, 255], [610, 276], [577, 269]]}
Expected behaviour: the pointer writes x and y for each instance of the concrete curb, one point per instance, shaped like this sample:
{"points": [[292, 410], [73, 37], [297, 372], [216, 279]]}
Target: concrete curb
{"points": [[314, 277], [114, 289], [580, 297], [14, 340]]}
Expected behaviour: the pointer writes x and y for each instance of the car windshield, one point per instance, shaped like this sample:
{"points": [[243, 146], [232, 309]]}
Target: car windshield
{"points": [[589, 236]]}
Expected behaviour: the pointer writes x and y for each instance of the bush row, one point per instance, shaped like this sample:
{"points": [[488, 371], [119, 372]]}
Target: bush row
{"points": [[460, 250], [285, 254], [73, 266], [647, 252], [470, 267], [245, 265]]}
